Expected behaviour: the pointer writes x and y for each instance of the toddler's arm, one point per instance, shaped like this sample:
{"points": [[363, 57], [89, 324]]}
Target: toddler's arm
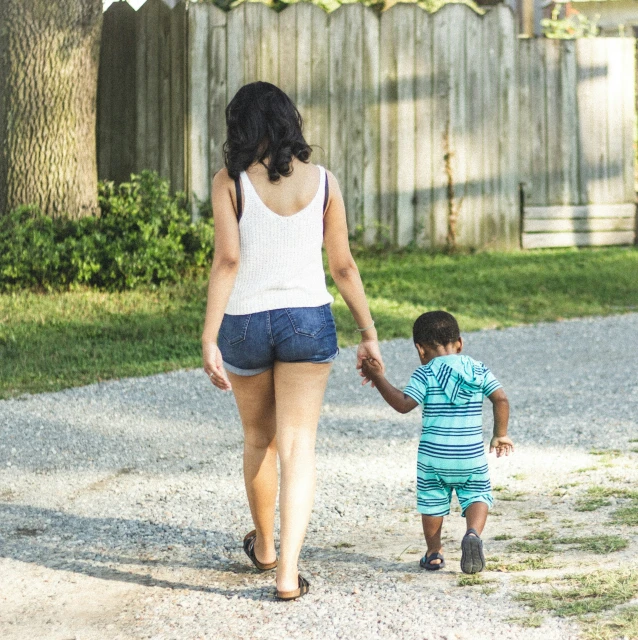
{"points": [[393, 396], [501, 408]]}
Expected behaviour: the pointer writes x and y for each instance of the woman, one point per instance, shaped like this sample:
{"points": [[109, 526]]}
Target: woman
{"points": [[269, 334]]}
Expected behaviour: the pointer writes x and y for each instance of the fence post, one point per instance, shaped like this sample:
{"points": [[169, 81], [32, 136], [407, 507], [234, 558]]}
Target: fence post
{"points": [[116, 105]]}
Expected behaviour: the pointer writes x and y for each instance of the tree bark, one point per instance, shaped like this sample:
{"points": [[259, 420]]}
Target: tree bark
{"points": [[49, 56]]}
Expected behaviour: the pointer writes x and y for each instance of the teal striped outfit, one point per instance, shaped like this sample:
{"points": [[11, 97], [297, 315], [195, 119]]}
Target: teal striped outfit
{"points": [[451, 452]]}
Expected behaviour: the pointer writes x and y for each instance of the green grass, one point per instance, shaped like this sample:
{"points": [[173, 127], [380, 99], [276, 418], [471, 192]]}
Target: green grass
{"points": [[53, 341], [534, 515], [543, 542], [583, 594], [626, 515], [531, 563], [471, 580], [547, 534], [532, 621], [503, 536], [595, 544], [610, 453], [591, 504], [597, 497], [624, 624], [523, 546]]}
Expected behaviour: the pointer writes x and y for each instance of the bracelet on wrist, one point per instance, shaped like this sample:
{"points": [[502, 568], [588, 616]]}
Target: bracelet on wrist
{"points": [[366, 328]]}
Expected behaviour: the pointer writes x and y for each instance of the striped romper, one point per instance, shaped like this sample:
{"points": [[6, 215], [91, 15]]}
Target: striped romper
{"points": [[451, 453]]}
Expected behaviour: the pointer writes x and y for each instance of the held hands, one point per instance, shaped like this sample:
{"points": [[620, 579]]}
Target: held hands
{"points": [[371, 369], [214, 366], [369, 349], [503, 446]]}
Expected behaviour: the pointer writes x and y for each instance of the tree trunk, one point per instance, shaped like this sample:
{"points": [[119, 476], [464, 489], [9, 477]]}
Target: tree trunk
{"points": [[49, 54]]}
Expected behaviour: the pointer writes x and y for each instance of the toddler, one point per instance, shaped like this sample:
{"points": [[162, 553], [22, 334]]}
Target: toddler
{"points": [[450, 387]]}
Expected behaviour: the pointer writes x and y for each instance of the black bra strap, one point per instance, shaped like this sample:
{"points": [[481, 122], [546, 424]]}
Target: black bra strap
{"points": [[326, 194], [240, 206]]}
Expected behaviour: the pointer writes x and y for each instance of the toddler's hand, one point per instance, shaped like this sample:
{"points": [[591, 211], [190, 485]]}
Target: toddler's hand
{"points": [[502, 445], [371, 368]]}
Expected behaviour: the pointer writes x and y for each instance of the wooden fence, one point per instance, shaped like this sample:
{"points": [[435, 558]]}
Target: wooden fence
{"points": [[425, 119]]}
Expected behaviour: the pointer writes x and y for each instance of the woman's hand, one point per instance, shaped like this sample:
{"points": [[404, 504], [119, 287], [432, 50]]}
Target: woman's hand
{"points": [[214, 366], [368, 349]]}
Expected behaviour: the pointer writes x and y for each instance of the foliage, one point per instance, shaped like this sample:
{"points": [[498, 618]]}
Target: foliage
{"points": [[144, 236], [569, 27]]}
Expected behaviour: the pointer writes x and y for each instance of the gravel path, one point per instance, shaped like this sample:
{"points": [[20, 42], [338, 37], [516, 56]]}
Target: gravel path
{"points": [[123, 508]]}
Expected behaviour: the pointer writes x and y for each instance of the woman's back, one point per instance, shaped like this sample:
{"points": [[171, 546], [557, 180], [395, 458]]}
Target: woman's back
{"points": [[291, 193], [280, 239]]}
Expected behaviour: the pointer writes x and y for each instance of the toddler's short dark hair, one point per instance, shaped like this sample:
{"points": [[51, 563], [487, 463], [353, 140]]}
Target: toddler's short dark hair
{"points": [[435, 328]]}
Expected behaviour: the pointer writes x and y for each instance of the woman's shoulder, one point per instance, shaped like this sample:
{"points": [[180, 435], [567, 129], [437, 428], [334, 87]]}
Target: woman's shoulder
{"points": [[222, 179]]}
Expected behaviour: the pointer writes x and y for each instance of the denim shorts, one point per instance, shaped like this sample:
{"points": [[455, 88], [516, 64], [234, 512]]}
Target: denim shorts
{"points": [[251, 343]]}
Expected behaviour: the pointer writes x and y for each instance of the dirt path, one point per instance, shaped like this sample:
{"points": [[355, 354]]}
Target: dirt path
{"points": [[123, 509]]}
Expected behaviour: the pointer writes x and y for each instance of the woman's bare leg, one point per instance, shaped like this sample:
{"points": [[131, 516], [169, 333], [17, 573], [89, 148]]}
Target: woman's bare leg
{"points": [[299, 390], [255, 396]]}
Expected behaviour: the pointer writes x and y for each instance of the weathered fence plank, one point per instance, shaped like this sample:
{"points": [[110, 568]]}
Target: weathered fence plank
{"points": [[491, 134], [199, 135], [582, 211], [235, 34], [472, 213], [338, 100], [508, 236], [152, 9], [178, 101], [164, 80], [441, 27], [289, 70], [405, 36], [318, 108], [217, 96], [352, 62], [388, 127], [371, 157], [628, 115], [140, 92], [569, 150], [424, 113], [573, 239], [578, 224]]}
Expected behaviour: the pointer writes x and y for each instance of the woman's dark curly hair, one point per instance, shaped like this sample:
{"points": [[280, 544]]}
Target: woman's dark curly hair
{"points": [[263, 125]]}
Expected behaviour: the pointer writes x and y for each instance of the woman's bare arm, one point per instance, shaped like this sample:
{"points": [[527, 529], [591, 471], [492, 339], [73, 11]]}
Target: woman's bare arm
{"points": [[345, 273], [222, 273]]}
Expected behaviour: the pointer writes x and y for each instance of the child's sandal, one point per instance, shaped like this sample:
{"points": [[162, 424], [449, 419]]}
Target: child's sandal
{"points": [[472, 558], [426, 562]]}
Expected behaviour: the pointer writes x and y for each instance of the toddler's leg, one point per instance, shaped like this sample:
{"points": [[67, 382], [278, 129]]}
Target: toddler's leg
{"points": [[432, 526], [472, 557], [476, 516]]}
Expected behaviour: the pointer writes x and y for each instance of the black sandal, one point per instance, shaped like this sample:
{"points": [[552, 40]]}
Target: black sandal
{"points": [[249, 548], [472, 558], [426, 562], [304, 587]]}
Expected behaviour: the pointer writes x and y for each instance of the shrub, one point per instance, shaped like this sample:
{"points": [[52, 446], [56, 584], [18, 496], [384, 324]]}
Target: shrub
{"points": [[144, 236]]}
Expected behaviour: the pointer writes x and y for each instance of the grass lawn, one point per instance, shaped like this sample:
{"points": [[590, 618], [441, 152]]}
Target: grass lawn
{"points": [[53, 341]]}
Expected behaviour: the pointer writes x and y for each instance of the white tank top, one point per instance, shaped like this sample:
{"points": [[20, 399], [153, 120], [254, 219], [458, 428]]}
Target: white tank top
{"points": [[280, 262]]}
